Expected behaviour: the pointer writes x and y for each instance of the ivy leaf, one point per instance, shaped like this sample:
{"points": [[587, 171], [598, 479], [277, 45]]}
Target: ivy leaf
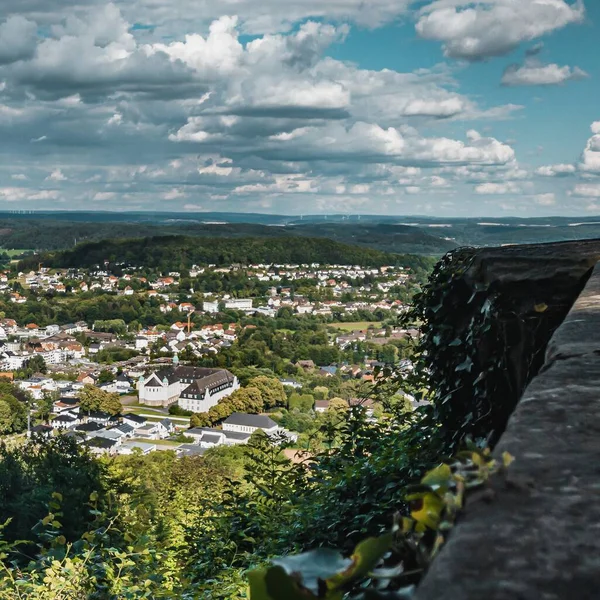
{"points": [[466, 365], [439, 479], [313, 567], [426, 509], [365, 558], [259, 589]]}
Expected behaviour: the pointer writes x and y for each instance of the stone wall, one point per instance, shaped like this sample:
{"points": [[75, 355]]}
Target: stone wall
{"points": [[538, 536]]}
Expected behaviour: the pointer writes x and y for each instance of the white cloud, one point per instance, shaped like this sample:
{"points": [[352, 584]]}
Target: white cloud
{"points": [[17, 39], [56, 175], [174, 194], [16, 194], [487, 28], [584, 190], [534, 73], [590, 159], [560, 170], [548, 199], [489, 188], [104, 196], [19, 177]]}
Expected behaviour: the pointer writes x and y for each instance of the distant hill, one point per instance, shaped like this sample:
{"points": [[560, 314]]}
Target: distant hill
{"points": [[414, 235], [59, 234], [181, 252]]}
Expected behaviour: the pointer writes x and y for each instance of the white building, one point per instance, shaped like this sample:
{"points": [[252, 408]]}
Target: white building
{"points": [[204, 393], [203, 387], [243, 423], [210, 307], [239, 304]]}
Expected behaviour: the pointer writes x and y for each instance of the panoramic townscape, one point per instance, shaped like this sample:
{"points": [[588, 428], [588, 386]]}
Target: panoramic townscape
{"points": [[299, 300], [160, 368]]}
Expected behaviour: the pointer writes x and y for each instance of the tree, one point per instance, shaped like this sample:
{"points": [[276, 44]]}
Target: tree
{"points": [[13, 414], [388, 354], [271, 389], [37, 364], [303, 403], [338, 405], [105, 376], [321, 392], [94, 399], [6, 419], [200, 420], [44, 406]]}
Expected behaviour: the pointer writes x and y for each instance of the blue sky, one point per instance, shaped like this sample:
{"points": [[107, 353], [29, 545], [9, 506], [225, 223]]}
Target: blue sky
{"points": [[441, 107]]}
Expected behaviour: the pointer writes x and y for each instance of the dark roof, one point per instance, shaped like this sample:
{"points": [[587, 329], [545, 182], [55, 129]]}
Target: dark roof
{"points": [[94, 414], [135, 418], [91, 426], [100, 442], [65, 419], [41, 429], [211, 438], [174, 374], [154, 380], [196, 431], [125, 428], [209, 382], [69, 401], [236, 435], [167, 423], [192, 450], [246, 420]]}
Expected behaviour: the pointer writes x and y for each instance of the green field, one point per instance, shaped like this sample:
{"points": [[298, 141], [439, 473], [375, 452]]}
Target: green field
{"points": [[16, 252], [356, 326]]}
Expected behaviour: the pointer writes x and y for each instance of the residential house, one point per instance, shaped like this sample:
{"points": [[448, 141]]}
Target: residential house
{"points": [[131, 446], [135, 421], [244, 423], [100, 445]]}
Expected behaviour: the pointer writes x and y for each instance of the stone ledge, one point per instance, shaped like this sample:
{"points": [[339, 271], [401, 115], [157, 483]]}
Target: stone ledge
{"points": [[539, 538]]}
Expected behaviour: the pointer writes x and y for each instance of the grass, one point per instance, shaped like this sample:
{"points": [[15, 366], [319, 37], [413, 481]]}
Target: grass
{"points": [[137, 409], [160, 442], [356, 326]]}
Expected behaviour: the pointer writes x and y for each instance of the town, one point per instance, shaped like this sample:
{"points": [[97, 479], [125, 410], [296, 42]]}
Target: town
{"points": [[174, 355]]}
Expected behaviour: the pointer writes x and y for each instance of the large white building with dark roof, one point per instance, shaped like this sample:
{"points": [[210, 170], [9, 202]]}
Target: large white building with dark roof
{"points": [[194, 388]]}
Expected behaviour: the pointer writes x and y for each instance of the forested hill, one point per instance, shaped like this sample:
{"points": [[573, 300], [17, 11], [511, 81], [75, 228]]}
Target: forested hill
{"points": [[167, 253]]}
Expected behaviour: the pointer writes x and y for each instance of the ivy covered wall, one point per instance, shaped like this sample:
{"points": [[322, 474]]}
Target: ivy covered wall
{"points": [[487, 316]]}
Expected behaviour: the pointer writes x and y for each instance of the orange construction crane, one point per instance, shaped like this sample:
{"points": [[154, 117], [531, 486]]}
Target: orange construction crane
{"points": [[190, 321]]}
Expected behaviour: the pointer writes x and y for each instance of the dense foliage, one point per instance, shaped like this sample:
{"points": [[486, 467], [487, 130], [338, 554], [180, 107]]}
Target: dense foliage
{"points": [[179, 252], [57, 234]]}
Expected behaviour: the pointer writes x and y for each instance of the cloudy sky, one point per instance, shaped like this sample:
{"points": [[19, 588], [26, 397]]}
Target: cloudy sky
{"points": [[439, 107]]}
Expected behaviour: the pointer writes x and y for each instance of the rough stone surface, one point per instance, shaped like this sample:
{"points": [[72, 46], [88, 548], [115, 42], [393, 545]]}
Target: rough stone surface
{"points": [[539, 538]]}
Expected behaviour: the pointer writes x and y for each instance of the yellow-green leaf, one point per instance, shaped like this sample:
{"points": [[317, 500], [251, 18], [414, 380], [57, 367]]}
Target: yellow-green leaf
{"points": [[439, 478], [507, 459], [426, 509]]}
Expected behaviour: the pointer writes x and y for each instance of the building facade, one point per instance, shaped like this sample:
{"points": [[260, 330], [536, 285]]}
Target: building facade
{"points": [[194, 388]]}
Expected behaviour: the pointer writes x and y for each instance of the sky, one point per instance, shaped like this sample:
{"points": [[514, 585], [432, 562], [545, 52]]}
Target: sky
{"points": [[446, 108]]}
